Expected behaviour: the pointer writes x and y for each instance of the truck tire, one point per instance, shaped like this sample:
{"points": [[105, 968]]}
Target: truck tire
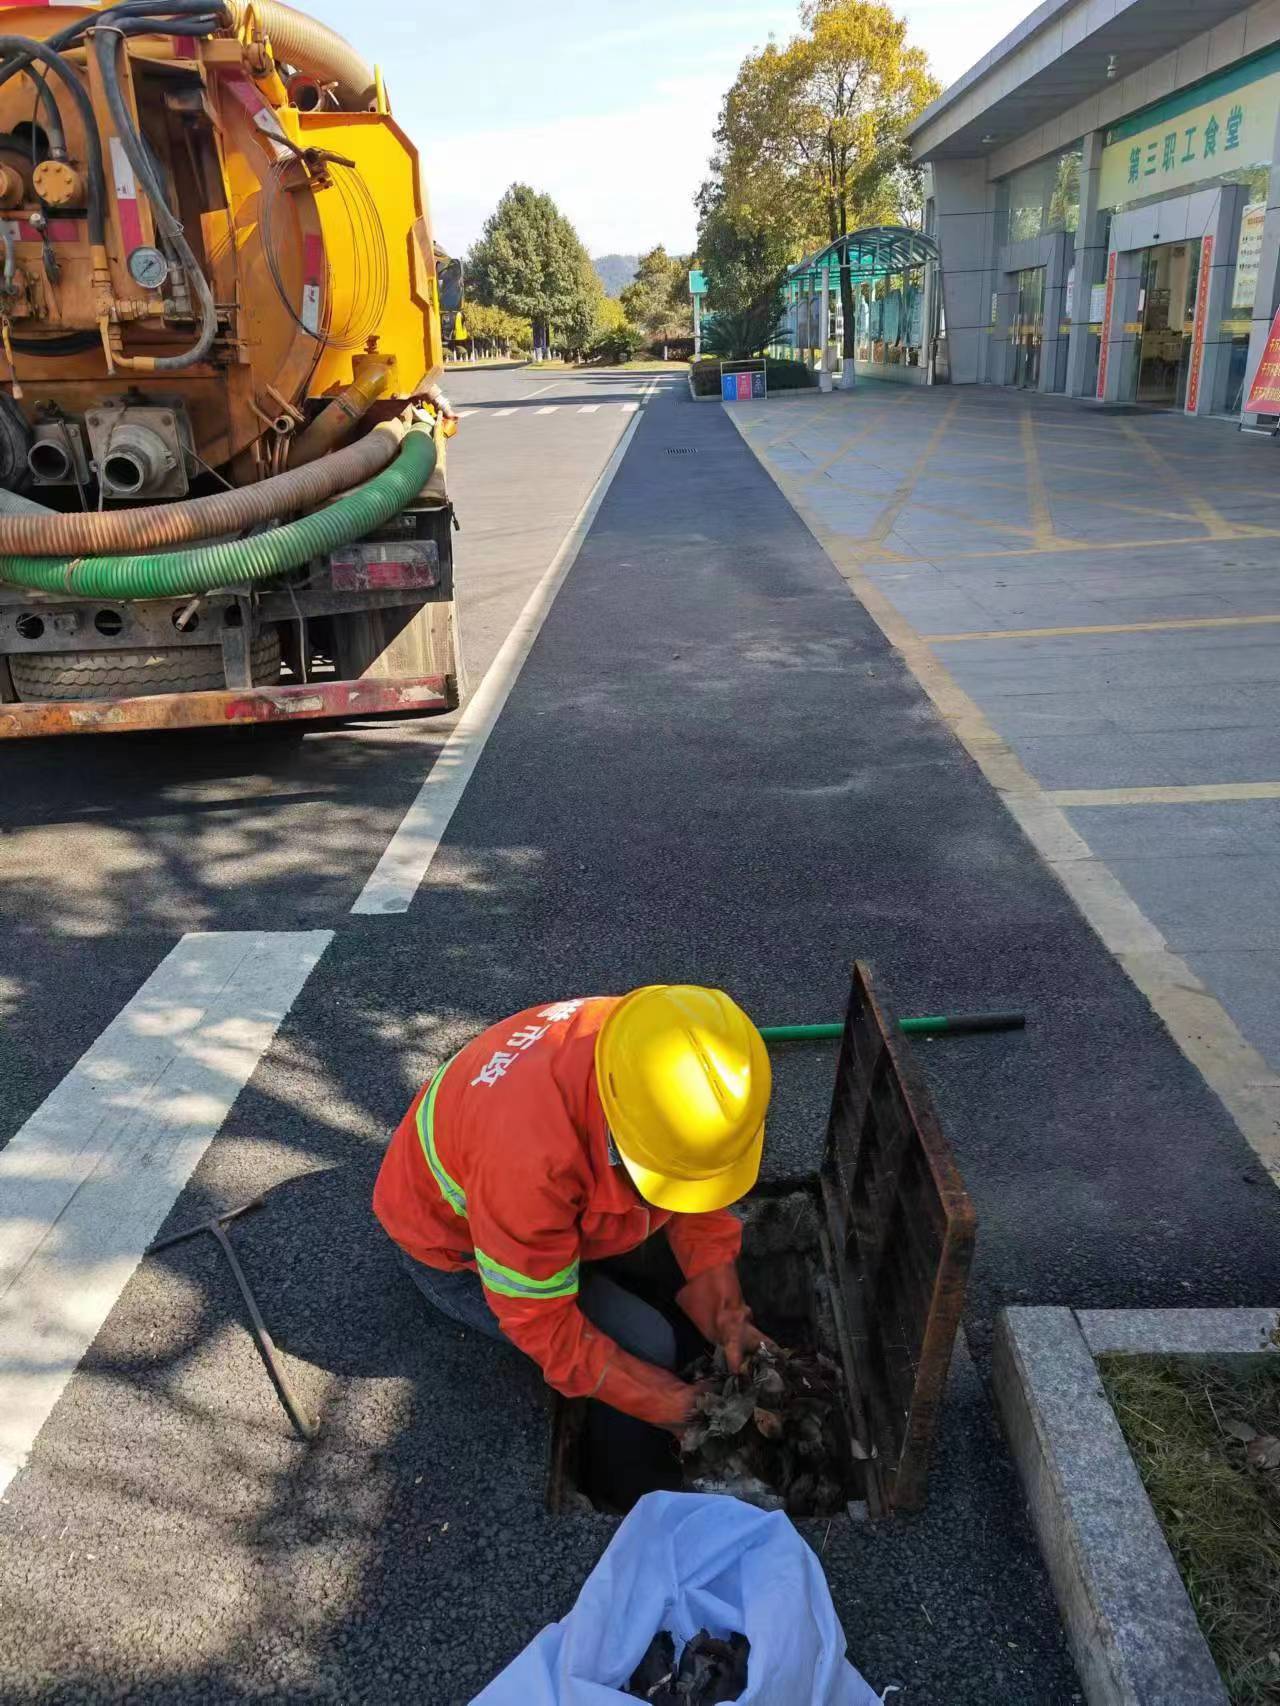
{"points": [[135, 675]]}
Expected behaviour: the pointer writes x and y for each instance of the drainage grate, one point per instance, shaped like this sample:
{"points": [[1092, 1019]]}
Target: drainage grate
{"points": [[686, 450]]}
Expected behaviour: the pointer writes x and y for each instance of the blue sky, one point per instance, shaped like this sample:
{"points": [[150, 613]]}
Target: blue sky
{"points": [[608, 105]]}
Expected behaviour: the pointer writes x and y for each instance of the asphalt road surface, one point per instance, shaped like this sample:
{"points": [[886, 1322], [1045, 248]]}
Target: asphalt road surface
{"points": [[711, 767]]}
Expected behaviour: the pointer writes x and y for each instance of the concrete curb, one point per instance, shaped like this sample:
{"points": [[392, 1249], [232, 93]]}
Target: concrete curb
{"points": [[482, 366], [1130, 1625], [711, 398]]}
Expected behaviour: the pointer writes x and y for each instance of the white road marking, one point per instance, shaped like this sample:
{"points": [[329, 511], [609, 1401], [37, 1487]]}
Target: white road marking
{"points": [[407, 857], [549, 410], [543, 389], [498, 413], [87, 1181], [588, 408], [630, 408]]}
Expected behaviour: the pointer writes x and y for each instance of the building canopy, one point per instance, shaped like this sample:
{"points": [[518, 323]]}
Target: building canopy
{"points": [[877, 251]]}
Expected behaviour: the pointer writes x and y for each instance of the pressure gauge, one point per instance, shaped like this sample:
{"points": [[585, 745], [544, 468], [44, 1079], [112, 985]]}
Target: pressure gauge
{"points": [[148, 268]]}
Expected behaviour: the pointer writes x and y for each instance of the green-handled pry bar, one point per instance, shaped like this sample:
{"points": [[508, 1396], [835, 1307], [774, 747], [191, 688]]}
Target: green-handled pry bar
{"points": [[935, 1025]]}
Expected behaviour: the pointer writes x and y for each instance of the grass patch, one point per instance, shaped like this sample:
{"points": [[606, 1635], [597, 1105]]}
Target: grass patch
{"points": [[1206, 1439]]}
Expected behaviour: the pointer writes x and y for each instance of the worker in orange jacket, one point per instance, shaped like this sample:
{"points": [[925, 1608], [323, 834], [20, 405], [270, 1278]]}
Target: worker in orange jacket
{"points": [[570, 1134]]}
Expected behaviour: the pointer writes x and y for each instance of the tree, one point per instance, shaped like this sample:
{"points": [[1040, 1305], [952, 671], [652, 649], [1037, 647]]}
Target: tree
{"points": [[811, 143], [615, 339], [529, 260], [657, 302], [745, 267], [495, 329]]}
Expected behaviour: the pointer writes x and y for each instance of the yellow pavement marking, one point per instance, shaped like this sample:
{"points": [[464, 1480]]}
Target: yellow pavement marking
{"points": [[1173, 624], [888, 517], [1197, 1021], [1193, 794], [1154, 543], [1218, 525]]}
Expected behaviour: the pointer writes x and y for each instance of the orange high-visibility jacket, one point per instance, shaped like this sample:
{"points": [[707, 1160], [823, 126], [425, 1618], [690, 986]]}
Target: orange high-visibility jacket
{"points": [[504, 1165]]}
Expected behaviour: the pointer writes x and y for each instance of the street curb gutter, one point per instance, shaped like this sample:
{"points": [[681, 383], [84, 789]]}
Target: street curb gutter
{"points": [[1130, 1625]]}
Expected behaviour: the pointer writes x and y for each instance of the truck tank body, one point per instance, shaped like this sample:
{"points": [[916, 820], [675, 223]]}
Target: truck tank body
{"points": [[218, 310]]}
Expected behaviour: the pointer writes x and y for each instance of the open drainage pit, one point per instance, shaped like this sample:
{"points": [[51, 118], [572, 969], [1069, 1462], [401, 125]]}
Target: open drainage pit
{"points": [[781, 1434], [859, 1272]]}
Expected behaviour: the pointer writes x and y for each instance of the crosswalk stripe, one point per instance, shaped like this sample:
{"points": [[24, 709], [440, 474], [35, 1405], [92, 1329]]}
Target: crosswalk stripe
{"points": [[588, 408], [498, 413], [630, 408], [549, 410], [87, 1182]]}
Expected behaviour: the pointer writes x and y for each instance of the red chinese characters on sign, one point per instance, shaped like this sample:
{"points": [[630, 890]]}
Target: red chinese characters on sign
{"points": [[1200, 327], [1264, 395], [1104, 354]]}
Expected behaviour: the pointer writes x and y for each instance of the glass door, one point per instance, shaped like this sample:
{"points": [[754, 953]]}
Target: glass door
{"points": [[1167, 309], [1028, 329]]}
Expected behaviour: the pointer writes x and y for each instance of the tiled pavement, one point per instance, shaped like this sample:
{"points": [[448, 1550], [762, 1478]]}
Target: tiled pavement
{"points": [[1106, 589]]}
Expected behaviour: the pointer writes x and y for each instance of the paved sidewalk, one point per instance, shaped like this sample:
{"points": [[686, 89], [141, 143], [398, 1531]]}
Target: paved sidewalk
{"points": [[1103, 590]]}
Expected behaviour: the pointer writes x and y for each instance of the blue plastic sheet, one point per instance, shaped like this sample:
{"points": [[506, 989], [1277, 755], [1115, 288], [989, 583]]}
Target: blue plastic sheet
{"points": [[685, 1562]]}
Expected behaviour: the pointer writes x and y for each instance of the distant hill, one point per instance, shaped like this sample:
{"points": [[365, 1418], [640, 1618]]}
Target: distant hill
{"points": [[615, 272]]}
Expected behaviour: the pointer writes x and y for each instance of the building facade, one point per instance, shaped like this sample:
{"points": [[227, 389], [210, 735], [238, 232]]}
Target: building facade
{"points": [[1104, 188]]}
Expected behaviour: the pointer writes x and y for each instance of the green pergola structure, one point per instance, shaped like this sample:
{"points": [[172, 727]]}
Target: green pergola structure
{"points": [[874, 253]]}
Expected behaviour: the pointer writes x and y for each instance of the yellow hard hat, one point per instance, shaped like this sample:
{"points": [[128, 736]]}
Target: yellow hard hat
{"points": [[684, 1080]]}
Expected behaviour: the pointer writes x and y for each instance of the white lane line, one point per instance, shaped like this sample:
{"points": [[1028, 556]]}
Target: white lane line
{"points": [[543, 389], [407, 857], [550, 409], [87, 1181], [498, 413], [588, 408]]}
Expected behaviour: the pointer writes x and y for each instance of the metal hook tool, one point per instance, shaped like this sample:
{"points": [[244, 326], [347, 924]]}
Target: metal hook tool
{"points": [[306, 1427]]}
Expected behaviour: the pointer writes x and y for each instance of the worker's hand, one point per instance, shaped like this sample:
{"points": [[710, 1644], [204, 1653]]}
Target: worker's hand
{"points": [[740, 1337], [655, 1395], [714, 1303]]}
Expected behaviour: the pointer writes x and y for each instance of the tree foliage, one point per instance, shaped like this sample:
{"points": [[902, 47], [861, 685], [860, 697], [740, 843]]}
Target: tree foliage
{"points": [[494, 329], [530, 262], [811, 143], [657, 301], [745, 266], [616, 339]]}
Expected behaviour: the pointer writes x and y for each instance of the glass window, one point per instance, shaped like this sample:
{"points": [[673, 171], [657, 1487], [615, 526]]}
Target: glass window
{"points": [[1040, 198]]}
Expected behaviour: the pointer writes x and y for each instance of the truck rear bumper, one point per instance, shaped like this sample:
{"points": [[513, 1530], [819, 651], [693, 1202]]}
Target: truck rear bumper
{"points": [[406, 696]]}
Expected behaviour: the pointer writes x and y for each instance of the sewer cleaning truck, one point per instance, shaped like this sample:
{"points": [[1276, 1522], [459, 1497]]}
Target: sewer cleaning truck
{"points": [[222, 494]]}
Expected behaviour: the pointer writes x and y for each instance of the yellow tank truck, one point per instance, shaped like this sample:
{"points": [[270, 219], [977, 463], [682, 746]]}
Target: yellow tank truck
{"points": [[222, 493]]}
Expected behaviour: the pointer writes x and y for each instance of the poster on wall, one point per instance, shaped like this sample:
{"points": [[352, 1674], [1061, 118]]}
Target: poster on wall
{"points": [[1097, 303], [1248, 255]]}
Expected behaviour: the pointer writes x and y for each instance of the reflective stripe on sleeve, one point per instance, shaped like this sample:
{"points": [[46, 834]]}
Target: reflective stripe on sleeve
{"points": [[450, 1189], [508, 1283]]}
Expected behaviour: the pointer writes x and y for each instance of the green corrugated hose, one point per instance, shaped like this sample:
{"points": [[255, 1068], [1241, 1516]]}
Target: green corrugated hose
{"points": [[935, 1025], [173, 574]]}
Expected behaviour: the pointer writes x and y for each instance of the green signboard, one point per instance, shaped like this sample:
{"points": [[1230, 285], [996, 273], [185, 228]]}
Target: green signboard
{"points": [[1227, 123], [697, 284]]}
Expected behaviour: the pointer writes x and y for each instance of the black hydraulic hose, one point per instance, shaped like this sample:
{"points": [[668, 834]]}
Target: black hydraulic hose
{"points": [[52, 117], [160, 11], [30, 49], [108, 43], [157, 9]]}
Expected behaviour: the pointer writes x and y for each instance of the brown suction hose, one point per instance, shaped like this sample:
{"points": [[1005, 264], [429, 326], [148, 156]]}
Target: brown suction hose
{"points": [[124, 530], [310, 46]]}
